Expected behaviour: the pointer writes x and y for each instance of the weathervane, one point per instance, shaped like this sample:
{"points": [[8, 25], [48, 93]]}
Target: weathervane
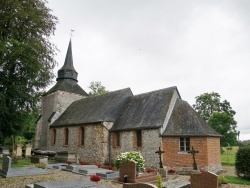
{"points": [[71, 33]]}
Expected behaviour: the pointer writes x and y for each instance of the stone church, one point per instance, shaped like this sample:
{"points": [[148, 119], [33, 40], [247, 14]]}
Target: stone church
{"points": [[98, 128]]}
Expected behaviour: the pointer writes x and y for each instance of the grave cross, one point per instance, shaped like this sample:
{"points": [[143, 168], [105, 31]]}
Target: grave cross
{"points": [[193, 152], [159, 152]]}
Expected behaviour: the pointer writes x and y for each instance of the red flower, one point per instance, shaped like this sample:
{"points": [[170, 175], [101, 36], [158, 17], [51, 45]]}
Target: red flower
{"points": [[83, 163], [150, 170], [171, 171], [111, 167], [95, 178], [202, 170], [69, 162]]}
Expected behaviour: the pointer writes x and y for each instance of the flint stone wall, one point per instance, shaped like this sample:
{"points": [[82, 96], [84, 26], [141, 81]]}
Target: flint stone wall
{"points": [[56, 102], [95, 148], [151, 141]]}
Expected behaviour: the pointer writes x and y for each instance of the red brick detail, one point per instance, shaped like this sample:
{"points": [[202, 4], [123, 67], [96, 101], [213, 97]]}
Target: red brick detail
{"points": [[208, 147]]}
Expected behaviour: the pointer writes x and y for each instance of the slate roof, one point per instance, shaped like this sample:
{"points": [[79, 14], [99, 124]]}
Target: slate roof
{"points": [[105, 107], [145, 111], [68, 86], [185, 121]]}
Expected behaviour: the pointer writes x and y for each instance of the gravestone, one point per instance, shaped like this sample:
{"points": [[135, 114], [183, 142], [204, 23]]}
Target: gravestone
{"points": [[6, 166], [204, 180], [19, 150], [64, 156], [28, 150], [127, 172], [7, 171], [36, 159], [193, 152], [4, 151], [161, 169]]}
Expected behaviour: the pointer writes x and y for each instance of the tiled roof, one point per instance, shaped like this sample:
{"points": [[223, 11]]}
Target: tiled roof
{"points": [[145, 111], [105, 107], [68, 86], [185, 121]]}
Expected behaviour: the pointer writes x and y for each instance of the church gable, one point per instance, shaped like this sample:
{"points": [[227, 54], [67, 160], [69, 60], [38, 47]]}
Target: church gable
{"points": [[100, 108], [184, 121], [145, 111]]}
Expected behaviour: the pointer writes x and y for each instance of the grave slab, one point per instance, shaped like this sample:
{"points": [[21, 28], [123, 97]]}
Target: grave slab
{"points": [[77, 183], [76, 168], [108, 175], [90, 172], [7, 171]]}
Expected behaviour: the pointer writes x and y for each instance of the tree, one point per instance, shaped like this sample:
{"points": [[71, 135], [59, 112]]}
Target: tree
{"points": [[96, 88], [26, 60], [224, 124], [219, 115], [208, 103]]}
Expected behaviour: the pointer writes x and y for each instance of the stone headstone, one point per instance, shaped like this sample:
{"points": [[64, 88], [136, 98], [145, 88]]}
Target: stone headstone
{"points": [[28, 150], [6, 163], [36, 159], [127, 172], [19, 151], [4, 151], [64, 156], [204, 180]]}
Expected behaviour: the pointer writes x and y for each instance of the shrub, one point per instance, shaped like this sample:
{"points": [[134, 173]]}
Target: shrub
{"points": [[222, 180], [242, 163], [130, 156], [159, 181], [41, 165]]}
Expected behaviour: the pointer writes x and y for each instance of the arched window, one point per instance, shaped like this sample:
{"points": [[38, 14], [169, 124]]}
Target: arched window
{"points": [[81, 136], [66, 136], [53, 136]]}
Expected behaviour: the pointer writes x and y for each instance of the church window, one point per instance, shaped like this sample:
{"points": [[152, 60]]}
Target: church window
{"points": [[138, 138], [184, 143], [66, 136], [81, 136], [53, 136]]}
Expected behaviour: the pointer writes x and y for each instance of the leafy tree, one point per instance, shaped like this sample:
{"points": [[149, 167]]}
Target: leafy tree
{"points": [[224, 124], [208, 103], [219, 115], [26, 60], [96, 88]]}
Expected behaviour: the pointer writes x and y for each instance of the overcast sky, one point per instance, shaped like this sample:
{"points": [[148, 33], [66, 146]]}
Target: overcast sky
{"points": [[198, 46]]}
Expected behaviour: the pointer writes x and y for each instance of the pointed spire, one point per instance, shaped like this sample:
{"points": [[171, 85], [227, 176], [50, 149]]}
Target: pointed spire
{"points": [[67, 72]]}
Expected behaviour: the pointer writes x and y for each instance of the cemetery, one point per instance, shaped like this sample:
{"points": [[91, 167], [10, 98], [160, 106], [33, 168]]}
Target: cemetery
{"points": [[127, 175]]}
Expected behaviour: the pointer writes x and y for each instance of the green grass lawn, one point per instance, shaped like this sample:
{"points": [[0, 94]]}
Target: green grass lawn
{"points": [[237, 180], [228, 157]]}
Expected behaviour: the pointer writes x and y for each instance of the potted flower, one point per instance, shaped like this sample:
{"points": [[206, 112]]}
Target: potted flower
{"points": [[95, 178], [133, 156], [171, 171]]}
